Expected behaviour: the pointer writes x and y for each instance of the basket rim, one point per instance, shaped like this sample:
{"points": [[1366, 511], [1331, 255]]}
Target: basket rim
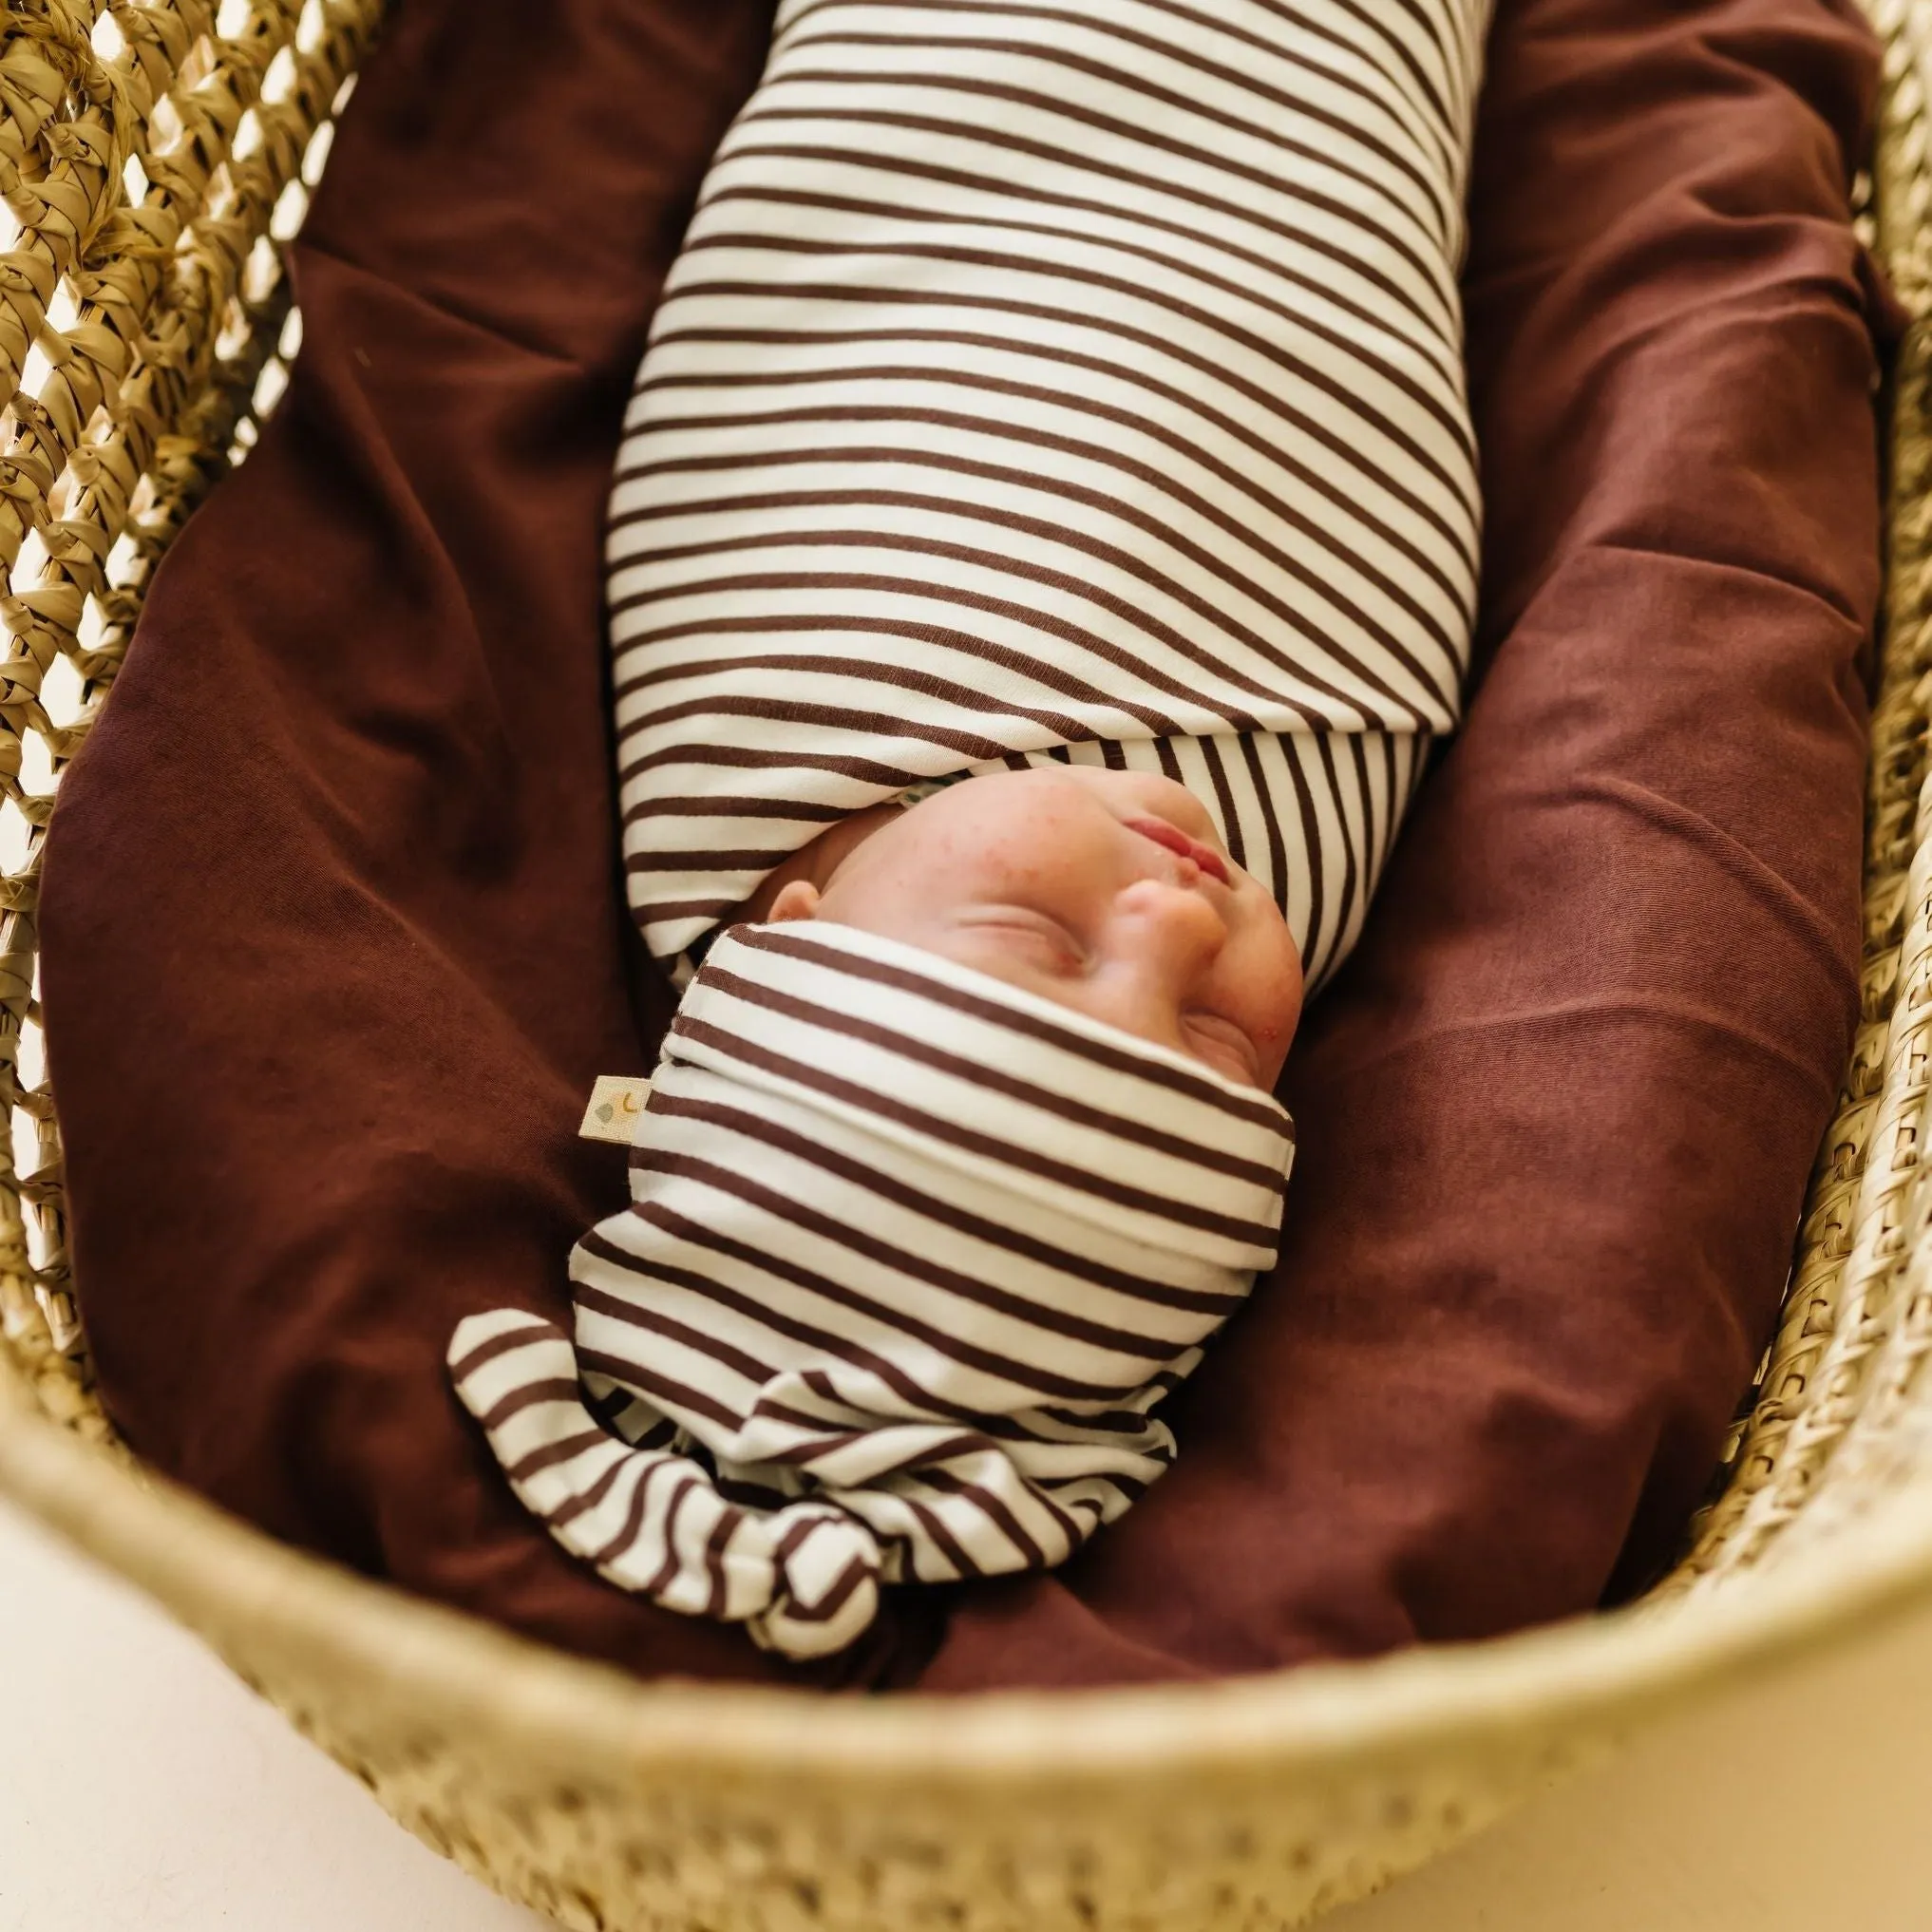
{"points": [[1596, 1676]]}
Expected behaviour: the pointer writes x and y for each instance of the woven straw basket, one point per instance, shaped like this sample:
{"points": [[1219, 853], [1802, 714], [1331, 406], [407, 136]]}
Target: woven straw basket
{"points": [[153, 155]]}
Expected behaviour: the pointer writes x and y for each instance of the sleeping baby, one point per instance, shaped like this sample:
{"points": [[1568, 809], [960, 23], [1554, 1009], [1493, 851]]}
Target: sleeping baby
{"points": [[1043, 548]]}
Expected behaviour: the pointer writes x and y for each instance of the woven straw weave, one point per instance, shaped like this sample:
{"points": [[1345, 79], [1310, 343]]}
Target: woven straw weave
{"points": [[152, 156]]}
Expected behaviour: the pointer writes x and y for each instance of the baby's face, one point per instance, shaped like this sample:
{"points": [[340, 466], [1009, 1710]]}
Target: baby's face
{"points": [[1107, 891]]}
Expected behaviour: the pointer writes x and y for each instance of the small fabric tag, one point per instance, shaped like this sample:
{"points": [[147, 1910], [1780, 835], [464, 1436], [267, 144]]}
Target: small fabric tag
{"points": [[616, 1102]]}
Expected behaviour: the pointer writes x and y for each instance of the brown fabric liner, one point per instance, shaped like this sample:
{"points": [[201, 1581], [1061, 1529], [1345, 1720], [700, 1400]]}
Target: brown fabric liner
{"points": [[333, 927]]}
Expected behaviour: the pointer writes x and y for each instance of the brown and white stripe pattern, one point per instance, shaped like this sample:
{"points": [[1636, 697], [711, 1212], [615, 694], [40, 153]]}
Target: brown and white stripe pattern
{"points": [[1076, 379], [907, 1266]]}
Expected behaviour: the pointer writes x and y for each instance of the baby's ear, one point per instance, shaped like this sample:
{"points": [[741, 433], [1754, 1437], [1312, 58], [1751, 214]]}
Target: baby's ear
{"points": [[798, 899]]}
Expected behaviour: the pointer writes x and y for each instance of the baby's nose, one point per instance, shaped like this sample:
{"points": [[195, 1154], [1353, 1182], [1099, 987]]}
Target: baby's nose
{"points": [[1180, 924]]}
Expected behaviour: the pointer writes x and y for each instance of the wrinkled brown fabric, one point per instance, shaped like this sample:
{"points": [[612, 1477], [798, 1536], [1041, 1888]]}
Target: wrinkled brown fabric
{"points": [[334, 941], [334, 946], [1557, 1116]]}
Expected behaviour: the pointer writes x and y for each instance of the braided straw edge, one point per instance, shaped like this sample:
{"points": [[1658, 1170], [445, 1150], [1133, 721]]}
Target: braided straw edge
{"points": [[1847, 1326]]}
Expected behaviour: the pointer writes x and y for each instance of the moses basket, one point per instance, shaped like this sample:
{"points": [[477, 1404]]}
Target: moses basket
{"points": [[154, 156]]}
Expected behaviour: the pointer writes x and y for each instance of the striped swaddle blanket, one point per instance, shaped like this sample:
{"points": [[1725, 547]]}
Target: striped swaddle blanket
{"points": [[1073, 381], [1057, 381]]}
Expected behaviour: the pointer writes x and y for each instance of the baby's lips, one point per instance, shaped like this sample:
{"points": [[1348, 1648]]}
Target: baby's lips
{"points": [[1210, 861], [1177, 841]]}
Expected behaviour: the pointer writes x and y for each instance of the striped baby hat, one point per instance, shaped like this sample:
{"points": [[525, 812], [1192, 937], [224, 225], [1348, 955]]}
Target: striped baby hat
{"points": [[911, 1258]]}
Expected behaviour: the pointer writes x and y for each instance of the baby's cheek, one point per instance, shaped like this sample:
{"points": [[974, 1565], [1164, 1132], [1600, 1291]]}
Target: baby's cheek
{"points": [[1274, 986]]}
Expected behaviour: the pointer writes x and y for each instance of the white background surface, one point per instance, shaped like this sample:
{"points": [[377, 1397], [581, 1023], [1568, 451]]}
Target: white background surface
{"points": [[142, 1789]]}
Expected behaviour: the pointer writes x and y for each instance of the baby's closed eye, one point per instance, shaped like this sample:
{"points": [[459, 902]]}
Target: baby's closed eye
{"points": [[1040, 935]]}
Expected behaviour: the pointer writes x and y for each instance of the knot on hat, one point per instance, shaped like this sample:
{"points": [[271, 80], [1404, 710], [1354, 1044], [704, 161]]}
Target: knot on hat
{"points": [[910, 1256]]}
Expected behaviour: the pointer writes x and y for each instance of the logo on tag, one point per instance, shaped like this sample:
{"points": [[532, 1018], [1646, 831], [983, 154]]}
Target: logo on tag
{"points": [[616, 1102]]}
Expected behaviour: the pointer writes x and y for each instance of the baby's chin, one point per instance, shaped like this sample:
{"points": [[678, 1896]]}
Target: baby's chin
{"points": [[1134, 791], [1130, 793]]}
